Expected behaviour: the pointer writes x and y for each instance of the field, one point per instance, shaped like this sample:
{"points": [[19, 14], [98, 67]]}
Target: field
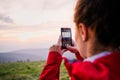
{"points": [[26, 71]]}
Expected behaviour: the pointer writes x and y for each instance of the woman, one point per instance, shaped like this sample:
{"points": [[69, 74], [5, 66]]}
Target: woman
{"points": [[98, 39]]}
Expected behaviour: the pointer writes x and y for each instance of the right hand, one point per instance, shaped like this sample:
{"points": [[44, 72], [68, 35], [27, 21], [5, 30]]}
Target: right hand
{"points": [[73, 48]]}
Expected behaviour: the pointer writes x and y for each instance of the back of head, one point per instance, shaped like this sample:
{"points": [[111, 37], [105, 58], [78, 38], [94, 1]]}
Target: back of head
{"points": [[103, 17]]}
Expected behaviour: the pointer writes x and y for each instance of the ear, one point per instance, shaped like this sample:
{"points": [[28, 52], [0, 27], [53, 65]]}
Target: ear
{"points": [[83, 32]]}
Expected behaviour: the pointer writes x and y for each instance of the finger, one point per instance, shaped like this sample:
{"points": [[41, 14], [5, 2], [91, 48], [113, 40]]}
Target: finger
{"points": [[72, 49], [53, 45], [64, 50], [73, 43], [59, 40]]}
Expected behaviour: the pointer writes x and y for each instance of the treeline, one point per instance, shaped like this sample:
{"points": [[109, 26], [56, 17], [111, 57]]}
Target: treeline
{"points": [[27, 60]]}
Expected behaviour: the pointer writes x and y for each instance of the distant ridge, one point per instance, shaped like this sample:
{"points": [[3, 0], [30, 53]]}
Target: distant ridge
{"points": [[27, 55], [24, 55]]}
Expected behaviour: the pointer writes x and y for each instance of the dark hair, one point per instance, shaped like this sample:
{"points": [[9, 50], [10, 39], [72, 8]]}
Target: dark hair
{"points": [[101, 16]]}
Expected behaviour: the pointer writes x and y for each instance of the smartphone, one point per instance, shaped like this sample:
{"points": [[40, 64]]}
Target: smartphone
{"points": [[66, 37]]}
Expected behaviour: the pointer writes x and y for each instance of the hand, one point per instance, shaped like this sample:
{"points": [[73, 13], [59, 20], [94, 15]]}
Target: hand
{"points": [[73, 48], [57, 47]]}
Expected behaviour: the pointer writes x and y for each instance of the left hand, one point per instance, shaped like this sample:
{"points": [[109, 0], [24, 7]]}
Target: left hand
{"points": [[57, 47]]}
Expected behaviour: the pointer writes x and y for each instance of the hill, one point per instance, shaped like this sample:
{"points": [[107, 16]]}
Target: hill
{"points": [[26, 71], [28, 55]]}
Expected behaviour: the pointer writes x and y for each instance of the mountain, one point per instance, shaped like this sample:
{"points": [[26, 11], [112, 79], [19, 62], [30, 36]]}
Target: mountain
{"points": [[24, 55], [28, 55]]}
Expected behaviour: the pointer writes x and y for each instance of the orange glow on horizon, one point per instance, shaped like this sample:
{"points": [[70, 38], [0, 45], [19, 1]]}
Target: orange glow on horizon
{"points": [[25, 36]]}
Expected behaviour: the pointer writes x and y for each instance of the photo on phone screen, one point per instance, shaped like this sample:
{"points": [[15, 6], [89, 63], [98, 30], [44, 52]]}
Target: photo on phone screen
{"points": [[66, 37]]}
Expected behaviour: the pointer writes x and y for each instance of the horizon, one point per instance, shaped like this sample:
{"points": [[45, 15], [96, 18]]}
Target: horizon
{"points": [[33, 24]]}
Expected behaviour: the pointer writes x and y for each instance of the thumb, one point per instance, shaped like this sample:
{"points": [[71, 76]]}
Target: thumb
{"points": [[72, 49], [59, 40]]}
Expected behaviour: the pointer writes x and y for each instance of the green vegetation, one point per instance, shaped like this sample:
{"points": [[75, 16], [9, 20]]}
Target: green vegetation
{"points": [[26, 71]]}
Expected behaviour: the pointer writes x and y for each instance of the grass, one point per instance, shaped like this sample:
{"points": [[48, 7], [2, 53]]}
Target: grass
{"points": [[26, 71]]}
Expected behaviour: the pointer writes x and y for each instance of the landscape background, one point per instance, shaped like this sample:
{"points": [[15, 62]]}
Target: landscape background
{"points": [[27, 55], [27, 64], [27, 29]]}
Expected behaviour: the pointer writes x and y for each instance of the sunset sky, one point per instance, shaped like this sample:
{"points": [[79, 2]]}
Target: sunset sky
{"points": [[33, 24]]}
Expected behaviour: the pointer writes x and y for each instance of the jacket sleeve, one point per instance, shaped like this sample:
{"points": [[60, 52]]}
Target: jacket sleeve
{"points": [[68, 63], [78, 57], [52, 68], [86, 71], [68, 66]]}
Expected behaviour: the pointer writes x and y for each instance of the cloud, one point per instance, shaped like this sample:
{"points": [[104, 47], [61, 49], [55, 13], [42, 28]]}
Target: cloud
{"points": [[37, 11], [53, 4], [6, 19], [41, 18]]}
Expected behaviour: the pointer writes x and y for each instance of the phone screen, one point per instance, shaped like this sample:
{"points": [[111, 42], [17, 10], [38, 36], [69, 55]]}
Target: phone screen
{"points": [[66, 37]]}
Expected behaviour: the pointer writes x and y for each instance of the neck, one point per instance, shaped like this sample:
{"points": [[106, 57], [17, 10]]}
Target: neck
{"points": [[96, 48]]}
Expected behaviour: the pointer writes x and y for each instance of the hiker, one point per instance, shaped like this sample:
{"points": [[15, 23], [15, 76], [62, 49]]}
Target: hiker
{"points": [[97, 37]]}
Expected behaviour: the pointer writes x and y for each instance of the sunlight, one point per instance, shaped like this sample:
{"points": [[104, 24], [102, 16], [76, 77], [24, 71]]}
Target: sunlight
{"points": [[25, 36]]}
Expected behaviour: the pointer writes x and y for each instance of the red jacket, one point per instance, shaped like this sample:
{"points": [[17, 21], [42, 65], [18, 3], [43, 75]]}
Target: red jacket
{"points": [[104, 68]]}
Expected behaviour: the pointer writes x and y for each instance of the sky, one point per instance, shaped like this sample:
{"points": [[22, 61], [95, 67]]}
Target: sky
{"points": [[33, 23]]}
